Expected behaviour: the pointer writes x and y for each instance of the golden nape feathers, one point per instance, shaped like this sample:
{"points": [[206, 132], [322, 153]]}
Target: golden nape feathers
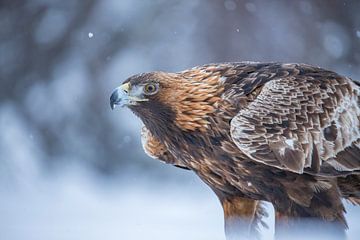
{"points": [[284, 133]]}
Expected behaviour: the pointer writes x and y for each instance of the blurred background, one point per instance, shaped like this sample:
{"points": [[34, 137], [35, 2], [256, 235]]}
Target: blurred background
{"points": [[70, 168]]}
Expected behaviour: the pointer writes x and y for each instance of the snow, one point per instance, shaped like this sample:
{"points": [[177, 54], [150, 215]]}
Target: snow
{"points": [[230, 5], [90, 35], [290, 143], [76, 205], [250, 7], [336, 40], [333, 45]]}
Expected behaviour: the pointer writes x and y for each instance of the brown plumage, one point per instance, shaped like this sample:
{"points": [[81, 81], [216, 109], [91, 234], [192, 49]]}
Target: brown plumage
{"points": [[284, 133]]}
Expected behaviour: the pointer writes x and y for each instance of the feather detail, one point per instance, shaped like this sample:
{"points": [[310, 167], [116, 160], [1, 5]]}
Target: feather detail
{"points": [[301, 111], [284, 133]]}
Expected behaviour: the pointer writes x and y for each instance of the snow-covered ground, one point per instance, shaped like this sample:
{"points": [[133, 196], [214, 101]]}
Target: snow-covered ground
{"points": [[79, 206]]}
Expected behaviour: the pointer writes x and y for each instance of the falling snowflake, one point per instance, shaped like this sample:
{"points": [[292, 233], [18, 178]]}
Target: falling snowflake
{"points": [[90, 34], [230, 5]]}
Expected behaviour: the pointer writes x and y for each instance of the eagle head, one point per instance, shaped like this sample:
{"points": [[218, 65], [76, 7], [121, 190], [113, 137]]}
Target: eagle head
{"points": [[183, 100]]}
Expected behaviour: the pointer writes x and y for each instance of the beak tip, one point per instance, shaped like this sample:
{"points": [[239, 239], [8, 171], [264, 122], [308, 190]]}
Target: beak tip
{"points": [[114, 99], [120, 96]]}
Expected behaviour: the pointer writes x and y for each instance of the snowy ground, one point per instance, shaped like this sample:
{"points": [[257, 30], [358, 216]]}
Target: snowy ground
{"points": [[75, 206]]}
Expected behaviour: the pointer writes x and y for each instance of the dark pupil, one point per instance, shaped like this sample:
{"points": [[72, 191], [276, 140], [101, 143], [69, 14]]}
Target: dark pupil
{"points": [[150, 88]]}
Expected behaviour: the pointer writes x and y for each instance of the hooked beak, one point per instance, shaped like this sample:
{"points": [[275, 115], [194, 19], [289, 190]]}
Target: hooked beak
{"points": [[121, 96]]}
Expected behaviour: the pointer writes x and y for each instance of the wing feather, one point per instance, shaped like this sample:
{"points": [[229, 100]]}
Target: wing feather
{"points": [[302, 121]]}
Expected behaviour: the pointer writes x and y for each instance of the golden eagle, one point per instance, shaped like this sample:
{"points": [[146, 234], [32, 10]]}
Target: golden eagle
{"points": [[288, 134]]}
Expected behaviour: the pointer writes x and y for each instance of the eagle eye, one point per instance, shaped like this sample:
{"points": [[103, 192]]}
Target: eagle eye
{"points": [[150, 88]]}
